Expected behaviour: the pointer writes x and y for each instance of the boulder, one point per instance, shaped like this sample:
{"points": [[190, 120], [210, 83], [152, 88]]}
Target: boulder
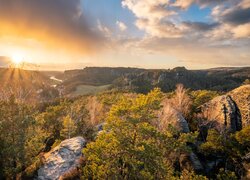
{"points": [[223, 112], [62, 159]]}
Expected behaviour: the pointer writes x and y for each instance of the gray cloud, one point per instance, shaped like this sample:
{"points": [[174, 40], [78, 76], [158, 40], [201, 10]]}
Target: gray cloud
{"points": [[200, 26], [237, 16]]}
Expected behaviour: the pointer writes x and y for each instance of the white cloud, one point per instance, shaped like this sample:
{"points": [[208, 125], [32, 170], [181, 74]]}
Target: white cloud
{"points": [[121, 26], [242, 31], [153, 16], [103, 29]]}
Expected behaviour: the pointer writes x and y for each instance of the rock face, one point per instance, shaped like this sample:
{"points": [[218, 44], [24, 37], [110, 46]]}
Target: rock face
{"points": [[61, 159], [169, 116], [223, 112], [241, 96]]}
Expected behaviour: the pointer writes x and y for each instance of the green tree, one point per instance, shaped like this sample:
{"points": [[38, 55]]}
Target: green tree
{"points": [[247, 81], [16, 120], [200, 97], [69, 128], [131, 147]]}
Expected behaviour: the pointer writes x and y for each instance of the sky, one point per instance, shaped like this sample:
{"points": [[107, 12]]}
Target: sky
{"points": [[63, 34]]}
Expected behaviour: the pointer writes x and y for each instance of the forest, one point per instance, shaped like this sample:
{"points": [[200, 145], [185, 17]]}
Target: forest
{"points": [[181, 134]]}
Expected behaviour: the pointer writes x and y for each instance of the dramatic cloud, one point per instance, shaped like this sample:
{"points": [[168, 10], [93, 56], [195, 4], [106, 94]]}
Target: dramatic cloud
{"points": [[234, 19], [226, 31], [152, 17], [237, 16], [59, 23], [158, 18]]}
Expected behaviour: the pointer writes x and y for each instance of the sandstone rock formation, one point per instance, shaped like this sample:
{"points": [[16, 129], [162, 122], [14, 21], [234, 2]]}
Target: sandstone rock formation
{"points": [[241, 96], [61, 159], [222, 112]]}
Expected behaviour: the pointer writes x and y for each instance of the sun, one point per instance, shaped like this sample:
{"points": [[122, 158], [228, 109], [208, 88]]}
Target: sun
{"points": [[17, 58]]}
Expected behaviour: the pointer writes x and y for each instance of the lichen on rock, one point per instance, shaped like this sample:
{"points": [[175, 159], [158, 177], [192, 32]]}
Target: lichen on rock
{"points": [[62, 159]]}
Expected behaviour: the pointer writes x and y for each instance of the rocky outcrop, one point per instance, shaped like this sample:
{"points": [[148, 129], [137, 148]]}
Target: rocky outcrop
{"points": [[169, 116], [62, 159], [241, 96], [223, 112]]}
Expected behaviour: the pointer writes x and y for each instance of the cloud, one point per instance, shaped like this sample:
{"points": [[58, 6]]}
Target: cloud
{"points": [[242, 31], [104, 29], [234, 19], [200, 26], [186, 50], [245, 4], [121, 26], [153, 17], [185, 4], [159, 18], [190, 41], [56, 23], [236, 16]]}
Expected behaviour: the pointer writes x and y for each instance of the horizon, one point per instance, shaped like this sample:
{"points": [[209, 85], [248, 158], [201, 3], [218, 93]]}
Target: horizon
{"points": [[158, 34], [42, 69]]}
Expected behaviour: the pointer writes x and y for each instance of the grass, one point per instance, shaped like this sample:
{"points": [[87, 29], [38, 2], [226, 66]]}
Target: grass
{"points": [[88, 89]]}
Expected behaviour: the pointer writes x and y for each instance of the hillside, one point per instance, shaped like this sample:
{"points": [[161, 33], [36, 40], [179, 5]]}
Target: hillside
{"points": [[29, 84], [144, 80], [148, 128]]}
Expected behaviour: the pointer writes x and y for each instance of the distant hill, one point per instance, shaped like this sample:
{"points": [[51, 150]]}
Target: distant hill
{"points": [[143, 80], [74, 82], [95, 76]]}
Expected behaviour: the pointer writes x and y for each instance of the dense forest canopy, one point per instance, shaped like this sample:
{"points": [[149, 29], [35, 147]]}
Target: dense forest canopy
{"points": [[130, 135]]}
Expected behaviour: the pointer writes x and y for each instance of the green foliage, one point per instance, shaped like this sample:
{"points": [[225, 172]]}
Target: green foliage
{"points": [[243, 138], [246, 82], [69, 128], [109, 98], [51, 119], [226, 175], [202, 96], [215, 143], [130, 146], [17, 127], [187, 175]]}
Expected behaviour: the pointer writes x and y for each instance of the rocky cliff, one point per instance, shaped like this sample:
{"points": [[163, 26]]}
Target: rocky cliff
{"points": [[241, 96], [62, 159], [222, 112]]}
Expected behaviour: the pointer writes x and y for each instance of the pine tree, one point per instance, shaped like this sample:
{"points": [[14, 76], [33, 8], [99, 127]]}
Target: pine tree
{"points": [[69, 128]]}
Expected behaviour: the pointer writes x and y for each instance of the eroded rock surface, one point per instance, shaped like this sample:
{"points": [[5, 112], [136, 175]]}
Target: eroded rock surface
{"points": [[241, 96], [223, 112], [62, 159]]}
